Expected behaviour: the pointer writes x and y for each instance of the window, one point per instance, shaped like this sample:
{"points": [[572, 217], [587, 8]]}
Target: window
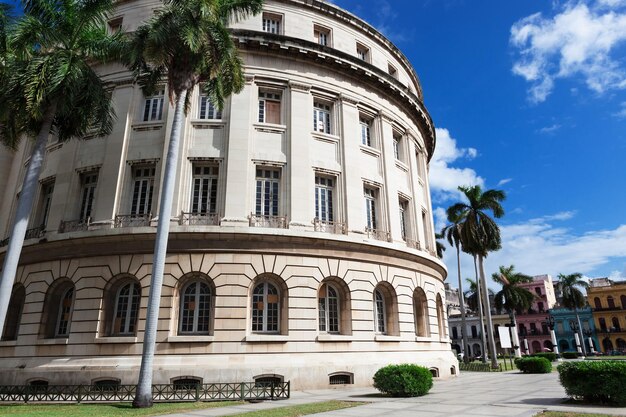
{"points": [[186, 384], [403, 207], [385, 310], [611, 301], [602, 322], [597, 303], [207, 110], [142, 190], [425, 225], [267, 192], [538, 290], [370, 195], [261, 381], [321, 35], [321, 117], [455, 333], [366, 135], [440, 317], [87, 194], [269, 107], [540, 307], [204, 193], [126, 309], [153, 108], [106, 385], [397, 147], [623, 301], [14, 313], [341, 378], [420, 306], [392, 71], [474, 331], [380, 312], [324, 199], [46, 201], [328, 309], [195, 308], [265, 308], [65, 312], [272, 23], [420, 165], [115, 25], [362, 52]]}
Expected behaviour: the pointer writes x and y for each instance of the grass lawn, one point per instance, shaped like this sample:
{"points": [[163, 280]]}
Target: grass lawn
{"points": [[559, 414], [302, 410], [105, 410]]}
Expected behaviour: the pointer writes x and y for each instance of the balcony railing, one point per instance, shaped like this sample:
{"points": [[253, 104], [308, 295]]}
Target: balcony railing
{"points": [[132, 220], [272, 222], [36, 232], [611, 330], [4, 242], [414, 244], [614, 308], [199, 219], [330, 227], [74, 225], [377, 234]]}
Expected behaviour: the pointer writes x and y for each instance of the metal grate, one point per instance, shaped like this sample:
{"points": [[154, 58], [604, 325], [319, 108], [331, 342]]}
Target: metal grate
{"points": [[341, 379]]}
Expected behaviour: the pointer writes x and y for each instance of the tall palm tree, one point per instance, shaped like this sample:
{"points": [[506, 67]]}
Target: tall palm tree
{"points": [[440, 246], [573, 298], [480, 235], [473, 296], [452, 234], [49, 86], [188, 43], [512, 297]]}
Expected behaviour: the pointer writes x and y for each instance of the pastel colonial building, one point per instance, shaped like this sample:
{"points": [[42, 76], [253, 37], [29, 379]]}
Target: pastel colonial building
{"points": [[532, 325], [303, 245], [608, 301]]}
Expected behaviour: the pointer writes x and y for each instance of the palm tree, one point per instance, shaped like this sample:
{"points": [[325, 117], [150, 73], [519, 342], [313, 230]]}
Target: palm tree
{"points": [[49, 86], [440, 246], [573, 298], [189, 43], [473, 296], [512, 297], [452, 234], [480, 235]]}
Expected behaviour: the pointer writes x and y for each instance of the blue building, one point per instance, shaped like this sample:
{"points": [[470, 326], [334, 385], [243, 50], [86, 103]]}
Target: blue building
{"points": [[564, 332]]}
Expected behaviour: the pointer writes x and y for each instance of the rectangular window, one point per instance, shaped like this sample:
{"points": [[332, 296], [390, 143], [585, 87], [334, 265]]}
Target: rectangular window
{"points": [[324, 198], [269, 107], [370, 195], [426, 229], [89, 181], [115, 25], [153, 108], [420, 164], [366, 136], [392, 71], [143, 187], [207, 110], [204, 194], [404, 205], [362, 52], [322, 35], [267, 192], [46, 200], [396, 148], [272, 23], [321, 117]]}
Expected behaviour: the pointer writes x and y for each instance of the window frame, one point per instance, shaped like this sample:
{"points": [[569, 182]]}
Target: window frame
{"points": [[139, 182], [45, 202], [270, 19], [380, 313], [363, 52], [153, 107], [64, 315], [207, 110], [88, 187], [323, 113], [326, 322], [267, 96], [207, 183], [264, 320], [129, 312], [322, 32], [274, 200], [197, 300], [371, 196], [325, 198]]}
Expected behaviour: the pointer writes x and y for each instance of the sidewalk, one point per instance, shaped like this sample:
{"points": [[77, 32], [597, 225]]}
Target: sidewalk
{"points": [[507, 394]]}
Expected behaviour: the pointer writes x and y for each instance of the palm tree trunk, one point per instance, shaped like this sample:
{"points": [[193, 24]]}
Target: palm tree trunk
{"points": [[481, 317], [580, 332], [22, 215], [462, 304], [492, 340], [143, 397], [515, 336]]}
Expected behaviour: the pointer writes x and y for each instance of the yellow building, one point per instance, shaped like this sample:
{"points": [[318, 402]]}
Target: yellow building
{"points": [[608, 300]]}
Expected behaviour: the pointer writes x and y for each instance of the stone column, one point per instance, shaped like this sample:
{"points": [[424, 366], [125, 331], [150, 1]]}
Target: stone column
{"points": [[389, 170], [351, 157]]}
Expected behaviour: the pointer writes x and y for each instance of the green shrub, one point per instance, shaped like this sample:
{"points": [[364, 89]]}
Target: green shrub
{"points": [[532, 365], [569, 355], [405, 380], [551, 356], [597, 382]]}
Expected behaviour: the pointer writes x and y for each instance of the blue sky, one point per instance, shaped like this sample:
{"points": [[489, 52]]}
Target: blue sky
{"points": [[528, 97]]}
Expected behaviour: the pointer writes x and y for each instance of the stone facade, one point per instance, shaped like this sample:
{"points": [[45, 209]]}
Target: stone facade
{"points": [[304, 244]]}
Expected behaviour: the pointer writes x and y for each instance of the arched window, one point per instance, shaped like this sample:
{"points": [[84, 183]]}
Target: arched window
{"points": [[328, 305], [65, 312], [385, 307], [126, 309], [57, 310], [615, 323], [380, 313], [623, 300], [195, 308], [440, 317], [14, 313], [474, 331], [420, 307], [607, 345], [611, 301], [597, 303], [536, 346], [602, 323], [265, 308]]}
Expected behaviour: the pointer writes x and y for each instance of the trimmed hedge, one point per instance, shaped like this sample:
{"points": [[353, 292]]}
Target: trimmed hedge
{"points": [[405, 380], [570, 355], [596, 382], [532, 365], [551, 356]]}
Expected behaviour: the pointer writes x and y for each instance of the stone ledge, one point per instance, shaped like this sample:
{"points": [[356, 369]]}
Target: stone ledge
{"points": [[116, 339], [191, 339], [266, 338]]}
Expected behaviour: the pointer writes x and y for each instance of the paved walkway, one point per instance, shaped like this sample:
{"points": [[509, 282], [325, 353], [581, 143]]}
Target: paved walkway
{"points": [[508, 394]]}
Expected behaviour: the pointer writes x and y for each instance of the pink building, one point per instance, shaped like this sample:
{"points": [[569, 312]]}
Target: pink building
{"points": [[532, 325]]}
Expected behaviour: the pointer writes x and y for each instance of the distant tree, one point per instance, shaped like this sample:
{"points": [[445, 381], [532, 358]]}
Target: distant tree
{"points": [[440, 246], [572, 296]]}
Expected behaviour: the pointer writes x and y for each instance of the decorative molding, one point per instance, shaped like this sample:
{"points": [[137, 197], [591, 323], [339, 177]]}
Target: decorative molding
{"points": [[89, 168], [205, 159], [386, 117], [249, 79], [345, 99], [148, 161]]}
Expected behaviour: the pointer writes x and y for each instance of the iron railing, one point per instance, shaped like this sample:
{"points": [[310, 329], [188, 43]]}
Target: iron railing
{"points": [[377, 234], [36, 232], [329, 227], [74, 225], [414, 244], [274, 222], [160, 392], [4, 242], [132, 220], [199, 219]]}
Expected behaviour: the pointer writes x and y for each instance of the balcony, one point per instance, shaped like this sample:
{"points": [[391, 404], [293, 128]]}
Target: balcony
{"points": [[611, 330], [614, 308], [377, 234], [272, 222], [74, 225], [36, 232], [4, 242], [199, 219], [132, 220], [329, 227]]}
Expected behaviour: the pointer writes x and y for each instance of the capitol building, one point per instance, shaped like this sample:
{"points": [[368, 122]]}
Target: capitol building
{"points": [[303, 244]]}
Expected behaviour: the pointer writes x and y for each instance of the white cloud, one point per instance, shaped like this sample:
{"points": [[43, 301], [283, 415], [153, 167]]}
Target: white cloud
{"points": [[504, 181], [578, 41], [550, 129], [444, 178], [621, 114]]}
